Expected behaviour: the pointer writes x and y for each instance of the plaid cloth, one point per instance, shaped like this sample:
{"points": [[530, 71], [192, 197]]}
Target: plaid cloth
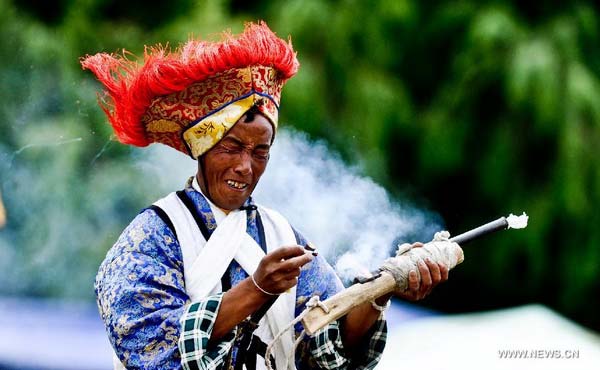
{"points": [[326, 350], [196, 328]]}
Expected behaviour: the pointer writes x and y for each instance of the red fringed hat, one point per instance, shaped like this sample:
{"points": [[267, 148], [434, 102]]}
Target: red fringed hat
{"points": [[188, 99]]}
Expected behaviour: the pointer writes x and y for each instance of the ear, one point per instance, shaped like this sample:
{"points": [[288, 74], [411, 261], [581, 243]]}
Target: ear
{"points": [[200, 170]]}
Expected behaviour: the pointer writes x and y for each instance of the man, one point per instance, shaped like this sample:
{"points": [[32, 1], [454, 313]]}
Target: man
{"points": [[205, 278]]}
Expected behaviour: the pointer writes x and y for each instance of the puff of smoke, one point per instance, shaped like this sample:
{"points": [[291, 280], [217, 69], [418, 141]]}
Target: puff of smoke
{"points": [[351, 219]]}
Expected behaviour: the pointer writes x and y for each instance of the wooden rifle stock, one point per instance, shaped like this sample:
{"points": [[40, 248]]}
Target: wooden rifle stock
{"points": [[341, 303]]}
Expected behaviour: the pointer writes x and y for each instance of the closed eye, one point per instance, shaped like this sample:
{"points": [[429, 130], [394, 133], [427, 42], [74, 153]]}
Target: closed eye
{"points": [[231, 148], [261, 154]]}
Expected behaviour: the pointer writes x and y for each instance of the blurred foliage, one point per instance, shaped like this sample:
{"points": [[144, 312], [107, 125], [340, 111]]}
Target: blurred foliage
{"points": [[478, 108]]}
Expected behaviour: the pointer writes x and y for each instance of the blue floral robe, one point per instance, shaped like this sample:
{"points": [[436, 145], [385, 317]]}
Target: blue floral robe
{"points": [[151, 321]]}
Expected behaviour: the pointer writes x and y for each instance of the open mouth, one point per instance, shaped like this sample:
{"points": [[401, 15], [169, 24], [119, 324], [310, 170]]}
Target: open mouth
{"points": [[237, 185]]}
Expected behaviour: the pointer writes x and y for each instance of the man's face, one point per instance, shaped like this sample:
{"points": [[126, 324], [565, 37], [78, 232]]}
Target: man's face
{"points": [[234, 166]]}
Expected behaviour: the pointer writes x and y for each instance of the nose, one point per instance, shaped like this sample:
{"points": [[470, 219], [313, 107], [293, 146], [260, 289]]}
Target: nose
{"points": [[244, 166]]}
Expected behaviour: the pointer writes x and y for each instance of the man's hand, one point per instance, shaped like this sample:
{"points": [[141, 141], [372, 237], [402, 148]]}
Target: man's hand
{"points": [[431, 274], [423, 276], [278, 271]]}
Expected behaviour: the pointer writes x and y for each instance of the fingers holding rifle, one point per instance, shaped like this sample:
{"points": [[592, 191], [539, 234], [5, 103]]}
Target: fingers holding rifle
{"points": [[419, 268], [421, 283]]}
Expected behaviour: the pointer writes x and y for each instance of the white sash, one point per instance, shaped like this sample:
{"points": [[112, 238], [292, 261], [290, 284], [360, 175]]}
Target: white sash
{"points": [[205, 262]]}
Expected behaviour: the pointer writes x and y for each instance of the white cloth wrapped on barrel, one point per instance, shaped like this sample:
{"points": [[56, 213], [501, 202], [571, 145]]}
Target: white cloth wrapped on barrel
{"points": [[439, 250]]}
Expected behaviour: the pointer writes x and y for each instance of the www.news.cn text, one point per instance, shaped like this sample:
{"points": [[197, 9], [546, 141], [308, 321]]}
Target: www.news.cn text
{"points": [[507, 354]]}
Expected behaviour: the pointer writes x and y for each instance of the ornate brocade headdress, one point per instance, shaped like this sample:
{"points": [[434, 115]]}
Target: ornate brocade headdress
{"points": [[188, 99]]}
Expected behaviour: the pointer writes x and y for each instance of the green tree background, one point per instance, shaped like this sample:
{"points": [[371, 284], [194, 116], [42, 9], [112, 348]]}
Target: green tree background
{"points": [[474, 108]]}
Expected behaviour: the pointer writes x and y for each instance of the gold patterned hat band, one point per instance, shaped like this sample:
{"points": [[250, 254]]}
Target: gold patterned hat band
{"points": [[208, 131], [204, 112], [190, 98]]}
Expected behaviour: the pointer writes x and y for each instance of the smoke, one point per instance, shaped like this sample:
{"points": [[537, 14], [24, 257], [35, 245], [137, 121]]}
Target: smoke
{"points": [[352, 220], [61, 223]]}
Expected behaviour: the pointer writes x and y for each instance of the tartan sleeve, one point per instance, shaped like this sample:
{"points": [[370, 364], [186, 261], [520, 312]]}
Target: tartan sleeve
{"points": [[327, 349], [373, 344], [197, 323]]}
